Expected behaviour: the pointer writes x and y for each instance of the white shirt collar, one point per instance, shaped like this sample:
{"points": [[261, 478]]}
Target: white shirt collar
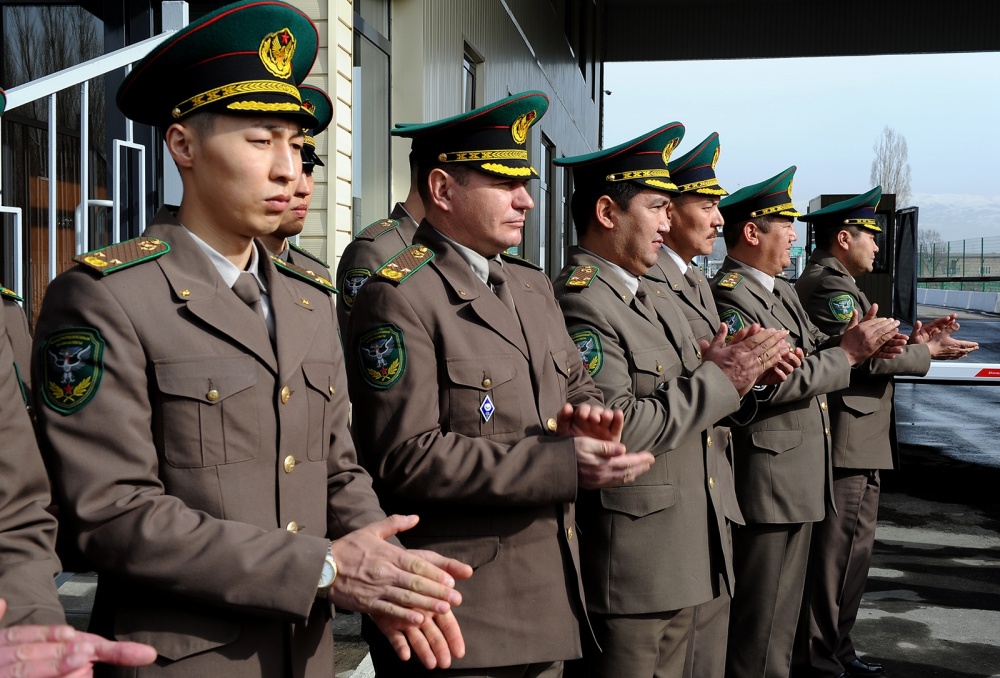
{"points": [[227, 269], [631, 281], [480, 264], [763, 278], [681, 264]]}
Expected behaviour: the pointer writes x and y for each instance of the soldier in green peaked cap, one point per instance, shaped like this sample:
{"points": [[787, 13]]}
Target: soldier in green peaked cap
{"points": [[782, 480], [317, 102], [192, 393], [652, 577], [864, 439], [466, 386]]}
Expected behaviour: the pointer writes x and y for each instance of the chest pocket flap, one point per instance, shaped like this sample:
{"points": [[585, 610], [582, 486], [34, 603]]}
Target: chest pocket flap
{"points": [[639, 500], [777, 441], [662, 361], [483, 373], [209, 381], [319, 376]]}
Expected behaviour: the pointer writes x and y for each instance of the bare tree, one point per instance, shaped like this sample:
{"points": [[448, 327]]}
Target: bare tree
{"points": [[891, 166], [932, 257]]}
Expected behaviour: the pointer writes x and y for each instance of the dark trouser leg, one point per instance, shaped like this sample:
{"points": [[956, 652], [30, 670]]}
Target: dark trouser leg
{"points": [[707, 648], [643, 646]]}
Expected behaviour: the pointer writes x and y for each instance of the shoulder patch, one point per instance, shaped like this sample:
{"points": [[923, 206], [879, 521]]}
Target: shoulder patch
{"points": [[734, 322], [405, 263], [382, 356], [353, 280], [377, 228], [72, 367], [518, 260], [304, 274], [582, 276], [9, 294], [730, 280], [124, 254], [588, 343], [306, 253], [842, 307]]}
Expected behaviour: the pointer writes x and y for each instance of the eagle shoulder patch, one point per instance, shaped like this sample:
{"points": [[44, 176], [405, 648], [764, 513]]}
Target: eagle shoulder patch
{"points": [[730, 280], [734, 322], [842, 307], [588, 343], [405, 263], [382, 356], [123, 254], [354, 279], [72, 367]]}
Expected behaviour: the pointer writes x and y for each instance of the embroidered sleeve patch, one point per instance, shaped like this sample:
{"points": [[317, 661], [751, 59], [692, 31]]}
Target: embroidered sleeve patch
{"points": [[588, 343], [382, 356], [842, 307], [72, 368], [734, 322], [353, 280]]}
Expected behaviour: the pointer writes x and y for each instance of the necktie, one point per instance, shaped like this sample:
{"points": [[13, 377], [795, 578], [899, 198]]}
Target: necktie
{"points": [[498, 281], [693, 292], [248, 289], [643, 296]]}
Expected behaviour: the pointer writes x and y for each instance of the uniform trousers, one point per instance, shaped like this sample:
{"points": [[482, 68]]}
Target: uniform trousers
{"points": [[641, 645], [841, 554], [707, 649], [770, 563]]}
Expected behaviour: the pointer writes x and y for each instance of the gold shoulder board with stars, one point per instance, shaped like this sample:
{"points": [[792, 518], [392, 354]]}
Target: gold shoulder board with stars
{"points": [[582, 276], [305, 274], [514, 259], [730, 280], [9, 294], [405, 263], [306, 253], [377, 228], [124, 254]]}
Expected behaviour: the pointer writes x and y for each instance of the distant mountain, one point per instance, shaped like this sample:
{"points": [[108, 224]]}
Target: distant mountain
{"points": [[958, 216]]}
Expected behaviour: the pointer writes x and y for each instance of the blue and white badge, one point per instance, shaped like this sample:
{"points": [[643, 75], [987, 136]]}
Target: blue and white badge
{"points": [[487, 409]]}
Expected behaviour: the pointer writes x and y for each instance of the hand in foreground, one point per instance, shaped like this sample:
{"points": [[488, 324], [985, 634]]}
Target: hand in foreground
{"points": [[592, 421], [944, 346], [787, 363], [750, 353], [434, 642], [923, 332], [601, 463], [51, 651], [864, 336], [377, 577]]}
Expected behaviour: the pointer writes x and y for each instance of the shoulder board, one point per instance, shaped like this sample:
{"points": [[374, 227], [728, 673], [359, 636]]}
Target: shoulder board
{"points": [[582, 276], [9, 294], [377, 228], [405, 263], [309, 254], [730, 280], [299, 272], [124, 254], [518, 260]]}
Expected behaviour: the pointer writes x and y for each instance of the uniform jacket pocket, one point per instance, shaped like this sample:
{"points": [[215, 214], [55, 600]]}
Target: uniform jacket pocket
{"points": [[175, 634], [776, 441], [474, 379], [319, 381], [859, 404], [474, 551], [639, 500]]}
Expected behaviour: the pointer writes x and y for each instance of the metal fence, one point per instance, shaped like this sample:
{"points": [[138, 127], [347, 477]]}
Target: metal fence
{"points": [[971, 265]]}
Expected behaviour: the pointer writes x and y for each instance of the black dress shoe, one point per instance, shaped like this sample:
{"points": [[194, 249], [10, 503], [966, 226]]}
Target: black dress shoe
{"points": [[863, 668]]}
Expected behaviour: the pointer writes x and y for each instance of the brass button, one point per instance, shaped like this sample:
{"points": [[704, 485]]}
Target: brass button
{"points": [[286, 394], [699, 355], [305, 302], [822, 405], [487, 383], [462, 292], [212, 395], [827, 431], [333, 391], [292, 527], [709, 441], [659, 368], [711, 483], [551, 424], [569, 533], [289, 464], [185, 293], [528, 285]]}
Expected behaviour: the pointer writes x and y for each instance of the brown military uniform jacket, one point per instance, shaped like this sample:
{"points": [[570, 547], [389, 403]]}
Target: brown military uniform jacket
{"points": [[703, 317], [783, 458], [28, 563], [363, 256], [454, 415], [307, 260], [654, 545], [864, 419], [20, 341], [200, 453]]}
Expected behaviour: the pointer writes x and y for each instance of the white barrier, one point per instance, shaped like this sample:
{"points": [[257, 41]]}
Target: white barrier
{"points": [[986, 302]]}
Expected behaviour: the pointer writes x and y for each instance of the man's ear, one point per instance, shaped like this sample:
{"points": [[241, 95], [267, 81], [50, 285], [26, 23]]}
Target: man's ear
{"points": [[751, 234], [843, 240], [440, 186], [182, 143], [605, 212]]}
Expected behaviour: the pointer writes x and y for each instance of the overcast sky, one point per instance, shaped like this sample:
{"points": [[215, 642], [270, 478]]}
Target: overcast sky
{"points": [[824, 115]]}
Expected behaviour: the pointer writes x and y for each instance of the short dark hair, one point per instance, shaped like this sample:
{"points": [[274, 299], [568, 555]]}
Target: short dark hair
{"points": [[826, 234], [586, 195], [203, 123], [731, 231], [458, 171]]}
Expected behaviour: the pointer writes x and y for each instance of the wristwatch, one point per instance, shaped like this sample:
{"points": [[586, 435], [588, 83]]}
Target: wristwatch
{"points": [[327, 576]]}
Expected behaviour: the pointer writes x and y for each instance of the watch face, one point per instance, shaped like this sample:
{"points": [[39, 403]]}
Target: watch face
{"points": [[326, 577]]}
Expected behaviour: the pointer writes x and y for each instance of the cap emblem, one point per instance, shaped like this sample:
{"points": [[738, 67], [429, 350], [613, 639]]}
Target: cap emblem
{"points": [[519, 128], [276, 50], [668, 149], [715, 160]]}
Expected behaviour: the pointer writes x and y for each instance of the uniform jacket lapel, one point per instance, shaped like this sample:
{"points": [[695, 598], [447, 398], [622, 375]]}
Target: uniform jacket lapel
{"points": [[197, 284], [295, 323]]}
